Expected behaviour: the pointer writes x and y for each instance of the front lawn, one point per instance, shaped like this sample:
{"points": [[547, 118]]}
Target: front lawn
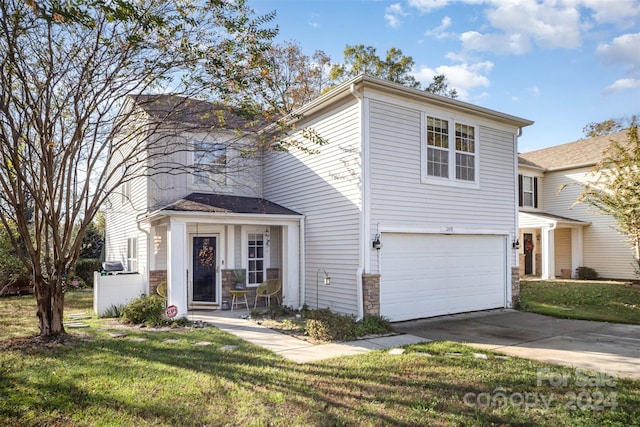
{"points": [[204, 376], [602, 301]]}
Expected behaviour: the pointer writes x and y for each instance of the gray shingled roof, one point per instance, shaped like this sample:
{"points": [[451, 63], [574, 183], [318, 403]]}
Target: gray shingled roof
{"points": [[584, 152], [179, 109], [222, 203]]}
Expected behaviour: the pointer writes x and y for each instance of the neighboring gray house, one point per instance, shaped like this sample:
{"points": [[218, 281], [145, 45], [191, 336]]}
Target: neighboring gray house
{"points": [[557, 235], [411, 209]]}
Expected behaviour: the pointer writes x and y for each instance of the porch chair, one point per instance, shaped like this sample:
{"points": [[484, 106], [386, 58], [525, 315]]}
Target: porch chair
{"points": [[267, 289], [161, 290]]}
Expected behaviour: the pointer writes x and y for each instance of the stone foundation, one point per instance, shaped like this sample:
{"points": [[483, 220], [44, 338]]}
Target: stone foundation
{"points": [[371, 294], [155, 278], [515, 287]]}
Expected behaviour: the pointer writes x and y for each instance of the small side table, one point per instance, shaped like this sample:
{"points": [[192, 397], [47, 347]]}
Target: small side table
{"points": [[236, 295]]}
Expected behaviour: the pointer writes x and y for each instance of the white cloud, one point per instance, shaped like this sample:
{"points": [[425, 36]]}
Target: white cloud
{"points": [[623, 85], [313, 21], [438, 32], [622, 50], [393, 15], [425, 6], [535, 90], [620, 12], [498, 43], [461, 77]]}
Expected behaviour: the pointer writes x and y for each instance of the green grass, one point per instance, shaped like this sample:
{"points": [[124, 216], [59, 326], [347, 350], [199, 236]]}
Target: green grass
{"points": [[108, 381], [602, 301]]}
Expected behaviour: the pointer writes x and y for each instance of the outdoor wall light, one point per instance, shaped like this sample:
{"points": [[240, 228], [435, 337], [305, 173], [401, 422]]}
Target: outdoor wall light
{"points": [[516, 244], [326, 280], [376, 242]]}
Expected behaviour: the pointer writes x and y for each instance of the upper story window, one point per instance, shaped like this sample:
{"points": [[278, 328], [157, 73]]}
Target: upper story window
{"points": [[451, 159], [209, 163], [528, 187]]}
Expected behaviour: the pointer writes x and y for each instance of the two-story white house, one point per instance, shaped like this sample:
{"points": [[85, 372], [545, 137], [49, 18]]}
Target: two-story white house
{"points": [[411, 208], [557, 234]]}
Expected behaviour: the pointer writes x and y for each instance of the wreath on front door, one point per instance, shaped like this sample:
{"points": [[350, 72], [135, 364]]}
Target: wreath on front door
{"points": [[206, 256]]}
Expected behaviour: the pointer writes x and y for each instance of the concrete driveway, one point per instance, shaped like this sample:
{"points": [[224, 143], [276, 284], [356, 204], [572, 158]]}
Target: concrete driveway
{"points": [[596, 346]]}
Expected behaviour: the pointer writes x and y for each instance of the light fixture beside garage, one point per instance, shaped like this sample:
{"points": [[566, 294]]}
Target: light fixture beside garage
{"points": [[516, 244], [376, 242]]}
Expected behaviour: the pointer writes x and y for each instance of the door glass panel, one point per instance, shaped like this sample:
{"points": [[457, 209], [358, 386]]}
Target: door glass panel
{"points": [[204, 269]]}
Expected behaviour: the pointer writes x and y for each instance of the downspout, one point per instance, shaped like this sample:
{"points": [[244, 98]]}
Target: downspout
{"points": [[364, 213], [516, 258], [303, 271], [147, 254]]}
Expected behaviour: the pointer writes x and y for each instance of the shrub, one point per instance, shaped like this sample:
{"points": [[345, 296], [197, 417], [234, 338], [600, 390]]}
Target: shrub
{"points": [[324, 325], [371, 325], [146, 309], [586, 273], [85, 268], [114, 311]]}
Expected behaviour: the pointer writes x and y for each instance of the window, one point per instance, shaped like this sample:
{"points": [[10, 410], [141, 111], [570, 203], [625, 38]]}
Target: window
{"points": [[126, 187], [132, 254], [528, 186], [209, 163], [446, 160], [255, 258]]}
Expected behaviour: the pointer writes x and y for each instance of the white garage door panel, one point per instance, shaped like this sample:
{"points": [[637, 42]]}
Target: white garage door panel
{"points": [[427, 275]]}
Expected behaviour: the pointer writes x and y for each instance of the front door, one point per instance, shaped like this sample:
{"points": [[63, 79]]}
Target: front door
{"points": [[204, 251], [528, 253]]}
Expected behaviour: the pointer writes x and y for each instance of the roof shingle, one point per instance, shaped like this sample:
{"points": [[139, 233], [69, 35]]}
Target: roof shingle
{"points": [[222, 203]]}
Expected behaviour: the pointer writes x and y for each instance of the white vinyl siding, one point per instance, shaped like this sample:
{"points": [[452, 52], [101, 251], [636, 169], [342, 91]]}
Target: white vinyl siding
{"points": [[605, 249], [400, 198], [325, 187], [562, 250]]}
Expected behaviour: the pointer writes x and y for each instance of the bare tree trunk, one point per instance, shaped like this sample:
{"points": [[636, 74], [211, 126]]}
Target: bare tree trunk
{"points": [[50, 307]]}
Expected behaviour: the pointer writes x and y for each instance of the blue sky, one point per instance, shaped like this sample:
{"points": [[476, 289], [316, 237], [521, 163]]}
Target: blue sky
{"points": [[560, 63]]}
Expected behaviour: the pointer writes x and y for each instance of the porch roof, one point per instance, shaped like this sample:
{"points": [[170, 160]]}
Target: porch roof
{"points": [[540, 219], [227, 204]]}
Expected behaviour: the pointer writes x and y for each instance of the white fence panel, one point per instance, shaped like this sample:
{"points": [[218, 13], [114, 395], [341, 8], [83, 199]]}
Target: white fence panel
{"points": [[117, 289]]}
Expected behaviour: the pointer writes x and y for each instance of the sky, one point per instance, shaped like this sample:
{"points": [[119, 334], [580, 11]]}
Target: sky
{"points": [[560, 63]]}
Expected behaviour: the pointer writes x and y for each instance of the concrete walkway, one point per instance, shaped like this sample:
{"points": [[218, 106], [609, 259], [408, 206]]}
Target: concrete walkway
{"points": [[611, 348], [292, 348]]}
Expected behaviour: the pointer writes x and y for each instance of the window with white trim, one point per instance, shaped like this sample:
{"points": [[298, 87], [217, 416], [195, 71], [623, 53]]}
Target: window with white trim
{"points": [[132, 254], [209, 163], [255, 258], [528, 191], [451, 160]]}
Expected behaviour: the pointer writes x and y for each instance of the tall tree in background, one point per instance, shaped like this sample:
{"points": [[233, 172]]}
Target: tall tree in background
{"points": [[606, 127], [67, 69], [395, 67], [289, 80], [615, 188]]}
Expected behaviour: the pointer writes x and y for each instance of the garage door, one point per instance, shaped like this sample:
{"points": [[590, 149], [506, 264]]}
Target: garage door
{"points": [[424, 275]]}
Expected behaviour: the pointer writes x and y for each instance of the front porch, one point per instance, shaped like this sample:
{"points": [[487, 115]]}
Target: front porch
{"points": [[552, 245], [197, 245]]}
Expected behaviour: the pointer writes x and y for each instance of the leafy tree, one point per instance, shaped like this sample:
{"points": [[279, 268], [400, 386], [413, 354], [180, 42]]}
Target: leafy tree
{"points": [[290, 80], [68, 70], [615, 189], [92, 246], [395, 67], [607, 127], [440, 86]]}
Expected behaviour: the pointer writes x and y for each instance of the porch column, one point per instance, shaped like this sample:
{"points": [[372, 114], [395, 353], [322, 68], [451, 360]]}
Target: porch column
{"points": [[291, 265], [577, 249], [177, 266], [548, 253]]}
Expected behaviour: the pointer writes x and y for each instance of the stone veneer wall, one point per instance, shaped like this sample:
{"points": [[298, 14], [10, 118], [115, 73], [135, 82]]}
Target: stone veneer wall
{"points": [[371, 294], [515, 287], [228, 284], [155, 278]]}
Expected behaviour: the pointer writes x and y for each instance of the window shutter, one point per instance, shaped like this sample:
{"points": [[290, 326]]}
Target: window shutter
{"points": [[519, 190], [535, 192]]}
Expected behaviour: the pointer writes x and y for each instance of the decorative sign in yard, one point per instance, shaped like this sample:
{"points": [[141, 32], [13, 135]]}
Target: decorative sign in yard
{"points": [[172, 311]]}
